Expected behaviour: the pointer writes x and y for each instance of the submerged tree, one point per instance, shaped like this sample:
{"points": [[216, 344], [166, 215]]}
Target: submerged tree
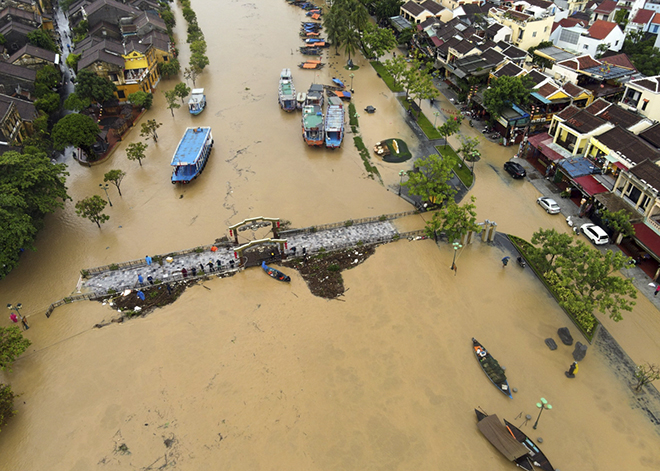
{"points": [[646, 374], [450, 127], [92, 208], [141, 99], [182, 90], [135, 151], [191, 73], [77, 130], [149, 129], [12, 345], [7, 410], [171, 98], [430, 179], [115, 177]]}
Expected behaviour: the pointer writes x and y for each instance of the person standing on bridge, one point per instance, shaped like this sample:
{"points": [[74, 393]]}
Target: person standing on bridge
{"points": [[140, 279]]}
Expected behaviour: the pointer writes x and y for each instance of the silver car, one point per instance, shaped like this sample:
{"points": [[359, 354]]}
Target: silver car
{"points": [[595, 234], [549, 205]]}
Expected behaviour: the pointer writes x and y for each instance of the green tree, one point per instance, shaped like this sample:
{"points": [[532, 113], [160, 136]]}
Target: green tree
{"points": [[619, 222], [189, 15], [72, 61], [191, 73], [422, 87], [430, 179], [39, 141], [587, 276], [468, 149], [77, 130], [49, 77], [182, 90], [385, 9], [350, 42], [12, 345], [450, 127], [7, 397], [506, 91], [168, 17], [601, 50], [115, 177], [149, 129], [170, 68], [42, 39], [141, 99], [551, 244], [406, 35], [538, 60], [378, 41], [642, 52], [644, 374], [96, 88], [198, 47], [49, 103], [621, 18], [334, 26], [171, 98], [456, 221], [198, 61], [396, 67], [92, 208], [75, 103], [135, 151]]}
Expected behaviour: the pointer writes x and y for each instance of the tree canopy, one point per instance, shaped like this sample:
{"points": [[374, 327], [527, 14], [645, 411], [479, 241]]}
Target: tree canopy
{"points": [[378, 41], [385, 9], [150, 128], [450, 127], [30, 187], [141, 99], [77, 130], [92, 86], [12, 345], [92, 208], [454, 220], [115, 177], [642, 52], [42, 39], [430, 179], [585, 278], [135, 151], [75, 102], [506, 91], [538, 60]]}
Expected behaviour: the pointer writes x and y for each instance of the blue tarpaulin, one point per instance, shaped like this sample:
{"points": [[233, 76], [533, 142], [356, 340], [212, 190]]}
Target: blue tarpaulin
{"points": [[578, 167], [338, 82]]}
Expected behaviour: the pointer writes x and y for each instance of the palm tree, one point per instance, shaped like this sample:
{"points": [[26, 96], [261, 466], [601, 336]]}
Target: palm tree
{"points": [[351, 41], [333, 27]]}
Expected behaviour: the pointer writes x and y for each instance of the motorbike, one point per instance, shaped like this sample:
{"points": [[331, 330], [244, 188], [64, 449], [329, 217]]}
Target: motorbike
{"points": [[521, 262], [470, 122]]}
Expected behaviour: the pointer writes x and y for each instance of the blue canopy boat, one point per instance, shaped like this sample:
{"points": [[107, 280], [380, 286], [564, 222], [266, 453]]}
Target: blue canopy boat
{"points": [[338, 82], [191, 154], [278, 275], [197, 101], [334, 123]]}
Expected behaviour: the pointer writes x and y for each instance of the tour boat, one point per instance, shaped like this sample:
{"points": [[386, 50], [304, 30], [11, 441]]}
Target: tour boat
{"points": [[278, 275], [287, 92], [197, 101], [191, 154], [334, 123]]}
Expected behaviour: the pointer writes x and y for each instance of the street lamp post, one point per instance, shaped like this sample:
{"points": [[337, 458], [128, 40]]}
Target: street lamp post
{"points": [[436, 114], [401, 174], [456, 245], [541, 405], [105, 188], [351, 76]]}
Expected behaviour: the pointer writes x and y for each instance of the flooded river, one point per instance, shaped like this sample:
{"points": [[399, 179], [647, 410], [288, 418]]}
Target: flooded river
{"points": [[245, 373]]}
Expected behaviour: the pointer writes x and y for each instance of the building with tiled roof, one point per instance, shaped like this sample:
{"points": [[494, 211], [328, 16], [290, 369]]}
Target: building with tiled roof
{"points": [[581, 40], [643, 95], [621, 60], [414, 12], [508, 70], [605, 11], [627, 148], [16, 116], [16, 80], [652, 135], [527, 30], [33, 57]]}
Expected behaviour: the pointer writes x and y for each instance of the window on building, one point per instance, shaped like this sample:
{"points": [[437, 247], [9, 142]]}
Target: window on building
{"points": [[586, 46], [534, 34], [121, 94], [545, 30], [616, 43], [113, 77], [520, 34], [646, 102]]}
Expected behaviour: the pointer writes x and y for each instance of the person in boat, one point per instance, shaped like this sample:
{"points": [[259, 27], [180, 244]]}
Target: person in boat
{"points": [[481, 353]]}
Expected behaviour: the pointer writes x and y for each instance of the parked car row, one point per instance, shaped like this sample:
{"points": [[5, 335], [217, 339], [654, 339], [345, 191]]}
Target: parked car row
{"points": [[594, 233]]}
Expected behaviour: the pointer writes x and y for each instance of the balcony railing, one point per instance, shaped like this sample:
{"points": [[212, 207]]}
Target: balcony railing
{"points": [[570, 146]]}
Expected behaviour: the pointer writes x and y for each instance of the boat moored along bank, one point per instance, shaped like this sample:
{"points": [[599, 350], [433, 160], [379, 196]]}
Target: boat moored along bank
{"points": [[191, 154], [287, 91], [334, 123], [197, 101]]}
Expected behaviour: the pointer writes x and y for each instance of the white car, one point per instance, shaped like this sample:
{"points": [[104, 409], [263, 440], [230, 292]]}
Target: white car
{"points": [[549, 205], [595, 234]]}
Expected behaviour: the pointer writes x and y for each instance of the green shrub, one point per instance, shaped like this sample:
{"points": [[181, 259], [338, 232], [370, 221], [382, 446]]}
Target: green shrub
{"points": [[114, 267], [7, 410], [333, 267], [352, 115], [112, 291], [382, 218], [348, 223]]}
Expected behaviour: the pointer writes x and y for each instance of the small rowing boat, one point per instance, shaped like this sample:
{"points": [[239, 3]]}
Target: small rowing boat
{"points": [[491, 367], [278, 275]]}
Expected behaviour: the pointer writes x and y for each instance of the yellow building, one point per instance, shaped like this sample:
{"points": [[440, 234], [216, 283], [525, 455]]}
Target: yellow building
{"points": [[140, 70], [528, 28]]}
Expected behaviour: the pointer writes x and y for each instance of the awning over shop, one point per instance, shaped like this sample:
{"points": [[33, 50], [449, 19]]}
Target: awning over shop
{"points": [[647, 238], [550, 153], [620, 165], [590, 185], [537, 139], [577, 167]]}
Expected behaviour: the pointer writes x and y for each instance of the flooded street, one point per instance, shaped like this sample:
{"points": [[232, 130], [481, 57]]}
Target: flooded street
{"points": [[253, 374]]}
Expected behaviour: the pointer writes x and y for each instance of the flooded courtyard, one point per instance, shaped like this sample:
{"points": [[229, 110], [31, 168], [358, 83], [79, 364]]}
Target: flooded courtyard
{"points": [[247, 373]]}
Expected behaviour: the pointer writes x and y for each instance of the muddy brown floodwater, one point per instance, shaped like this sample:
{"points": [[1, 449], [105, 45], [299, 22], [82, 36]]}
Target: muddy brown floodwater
{"points": [[247, 373]]}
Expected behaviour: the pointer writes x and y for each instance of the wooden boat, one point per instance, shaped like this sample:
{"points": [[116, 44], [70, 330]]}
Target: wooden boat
{"points": [[191, 154], [502, 439], [278, 275], [287, 91], [197, 101], [491, 367], [341, 94], [310, 34], [334, 123], [311, 50], [312, 124], [311, 65], [536, 457]]}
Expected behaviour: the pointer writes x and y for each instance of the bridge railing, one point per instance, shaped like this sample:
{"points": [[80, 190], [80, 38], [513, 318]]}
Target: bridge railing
{"points": [[347, 223]]}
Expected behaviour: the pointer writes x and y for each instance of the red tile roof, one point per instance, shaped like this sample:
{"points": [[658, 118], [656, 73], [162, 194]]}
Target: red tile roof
{"points": [[580, 63], [643, 16], [656, 19], [600, 29], [621, 60], [606, 7]]}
